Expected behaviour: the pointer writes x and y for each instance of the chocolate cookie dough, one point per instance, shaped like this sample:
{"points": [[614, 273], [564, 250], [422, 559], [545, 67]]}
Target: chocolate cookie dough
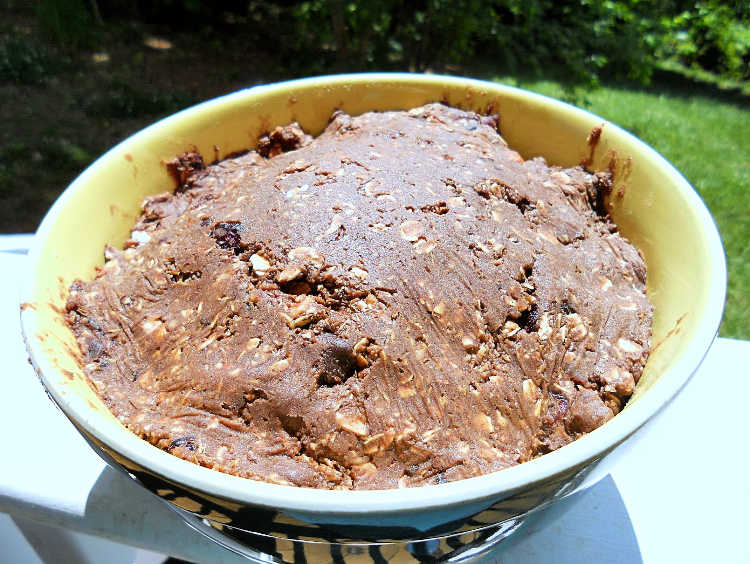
{"points": [[401, 301]]}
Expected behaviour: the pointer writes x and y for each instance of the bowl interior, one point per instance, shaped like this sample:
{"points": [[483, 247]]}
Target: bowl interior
{"points": [[652, 204]]}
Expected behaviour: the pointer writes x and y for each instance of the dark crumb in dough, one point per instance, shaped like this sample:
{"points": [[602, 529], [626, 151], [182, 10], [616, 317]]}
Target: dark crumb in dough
{"points": [[186, 169], [402, 301]]}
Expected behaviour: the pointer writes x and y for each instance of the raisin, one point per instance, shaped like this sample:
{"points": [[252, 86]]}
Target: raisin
{"points": [[187, 442], [529, 319], [95, 349], [227, 236], [557, 409]]}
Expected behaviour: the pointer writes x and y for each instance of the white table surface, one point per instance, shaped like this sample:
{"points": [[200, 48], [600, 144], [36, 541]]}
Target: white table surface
{"points": [[692, 508]]}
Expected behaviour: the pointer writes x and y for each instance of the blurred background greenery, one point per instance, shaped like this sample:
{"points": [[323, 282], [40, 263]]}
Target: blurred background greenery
{"points": [[76, 76]]}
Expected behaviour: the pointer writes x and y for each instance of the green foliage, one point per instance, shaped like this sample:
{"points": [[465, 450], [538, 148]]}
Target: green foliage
{"points": [[580, 39], [710, 35], [63, 154], [67, 22], [23, 61], [121, 100]]}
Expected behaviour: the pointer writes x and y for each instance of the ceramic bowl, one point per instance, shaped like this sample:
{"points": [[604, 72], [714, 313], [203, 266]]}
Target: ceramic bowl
{"points": [[652, 203]]}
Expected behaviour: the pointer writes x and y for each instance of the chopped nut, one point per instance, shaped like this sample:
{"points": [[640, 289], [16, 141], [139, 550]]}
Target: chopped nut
{"points": [[306, 254], [482, 352], [279, 365], [628, 346], [509, 329], [538, 408], [406, 391], [364, 468], [360, 273], [483, 423], [260, 264], [361, 345], [423, 246], [530, 390], [304, 313], [469, 344], [411, 229], [290, 273], [620, 381], [373, 444], [361, 361], [545, 329], [576, 328], [335, 225], [352, 423]]}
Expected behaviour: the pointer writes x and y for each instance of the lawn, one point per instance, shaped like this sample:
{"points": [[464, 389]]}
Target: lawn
{"points": [[706, 134]]}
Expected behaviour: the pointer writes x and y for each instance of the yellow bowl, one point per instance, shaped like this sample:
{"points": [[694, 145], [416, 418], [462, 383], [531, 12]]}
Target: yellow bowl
{"points": [[652, 203]]}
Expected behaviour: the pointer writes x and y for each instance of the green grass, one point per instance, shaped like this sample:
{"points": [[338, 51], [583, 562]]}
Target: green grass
{"points": [[708, 140]]}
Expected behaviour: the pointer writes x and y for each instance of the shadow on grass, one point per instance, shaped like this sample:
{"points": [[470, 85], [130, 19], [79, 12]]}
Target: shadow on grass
{"points": [[673, 82], [679, 85]]}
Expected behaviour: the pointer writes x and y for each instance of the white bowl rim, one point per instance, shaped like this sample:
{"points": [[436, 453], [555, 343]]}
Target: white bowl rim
{"points": [[346, 502]]}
